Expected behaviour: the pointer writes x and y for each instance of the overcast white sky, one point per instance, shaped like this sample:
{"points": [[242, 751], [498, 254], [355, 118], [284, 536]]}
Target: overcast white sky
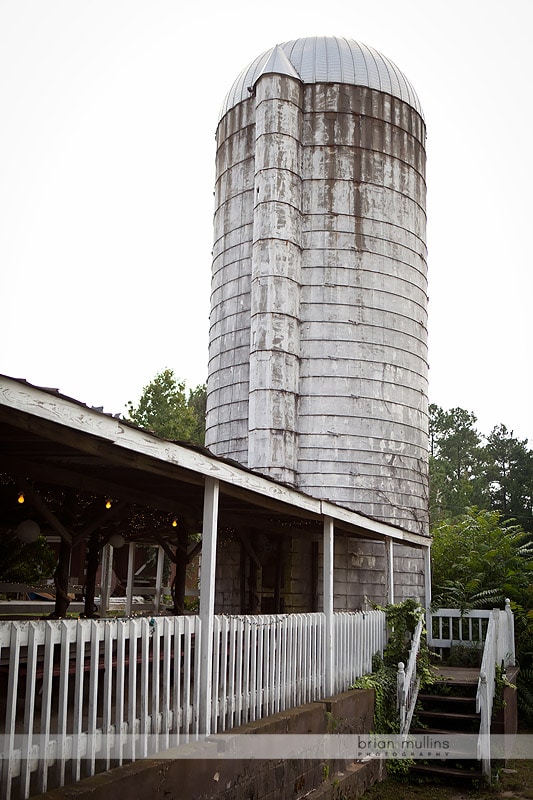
{"points": [[108, 115]]}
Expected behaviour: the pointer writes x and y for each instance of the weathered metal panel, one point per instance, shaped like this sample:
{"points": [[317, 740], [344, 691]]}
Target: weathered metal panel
{"points": [[275, 284]]}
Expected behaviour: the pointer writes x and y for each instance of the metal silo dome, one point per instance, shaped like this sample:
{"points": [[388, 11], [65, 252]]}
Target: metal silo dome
{"points": [[329, 59]]}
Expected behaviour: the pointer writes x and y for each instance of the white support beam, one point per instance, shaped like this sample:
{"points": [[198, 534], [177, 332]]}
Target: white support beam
{"points": [[328, 570], [207, 603], [389, 548], [427, 577], [427, 590]]}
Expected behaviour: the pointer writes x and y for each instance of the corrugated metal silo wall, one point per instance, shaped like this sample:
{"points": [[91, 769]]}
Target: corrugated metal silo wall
{"points": [[362, 411], [360, 428]]}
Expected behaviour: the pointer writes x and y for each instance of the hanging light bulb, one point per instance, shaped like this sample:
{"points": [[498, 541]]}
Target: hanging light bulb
{"points": [[108, 503], [174, 523], [21, 498]]}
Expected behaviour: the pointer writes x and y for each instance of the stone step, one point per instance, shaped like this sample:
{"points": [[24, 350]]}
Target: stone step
{"points": [[437, 731], [449, 716], [445, 698]]}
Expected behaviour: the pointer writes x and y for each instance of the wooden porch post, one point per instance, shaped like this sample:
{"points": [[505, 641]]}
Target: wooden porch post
{"points": [[207, 602], [61, 576], [92, 561], [159, 579], [329, 639], [389, 550], [130, 579], [106, 577], [180, 576]]}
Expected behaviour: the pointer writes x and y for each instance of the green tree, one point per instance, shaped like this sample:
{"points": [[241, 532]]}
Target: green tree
{"points": [[509, 473], [25, 563], [167, 410], [479, 559], [197, 404], [457, 479]]}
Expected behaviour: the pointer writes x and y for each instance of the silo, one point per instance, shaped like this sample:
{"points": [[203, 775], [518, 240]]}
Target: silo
{"points": [[318, 334]]}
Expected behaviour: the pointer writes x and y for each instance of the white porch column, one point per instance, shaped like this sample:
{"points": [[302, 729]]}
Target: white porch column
{"points": [[207, 603], [130, 578], [427, 576], [329, 639], [427, 591], [389, 548]]}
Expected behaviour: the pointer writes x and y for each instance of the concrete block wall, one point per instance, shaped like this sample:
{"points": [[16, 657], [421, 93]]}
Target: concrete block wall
{"points": [[199, 774]]}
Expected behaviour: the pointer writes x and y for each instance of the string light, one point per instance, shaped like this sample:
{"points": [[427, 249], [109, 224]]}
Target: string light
{"points": [[174, 523], [108, 503], [21, 498]]}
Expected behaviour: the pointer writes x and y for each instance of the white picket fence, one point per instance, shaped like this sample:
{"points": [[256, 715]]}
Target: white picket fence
{"points": [[81, 696]]}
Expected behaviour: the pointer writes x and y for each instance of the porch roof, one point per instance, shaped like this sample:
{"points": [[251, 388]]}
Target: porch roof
{"points": [[56, 441]]}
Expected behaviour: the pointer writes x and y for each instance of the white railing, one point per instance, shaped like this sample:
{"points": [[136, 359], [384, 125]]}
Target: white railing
{"points": [[77, 696], [20, 602], [264, 664], [408, 682], [451, 626], [142, 598], [276, 662], [358, 638], [497, 652]]}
